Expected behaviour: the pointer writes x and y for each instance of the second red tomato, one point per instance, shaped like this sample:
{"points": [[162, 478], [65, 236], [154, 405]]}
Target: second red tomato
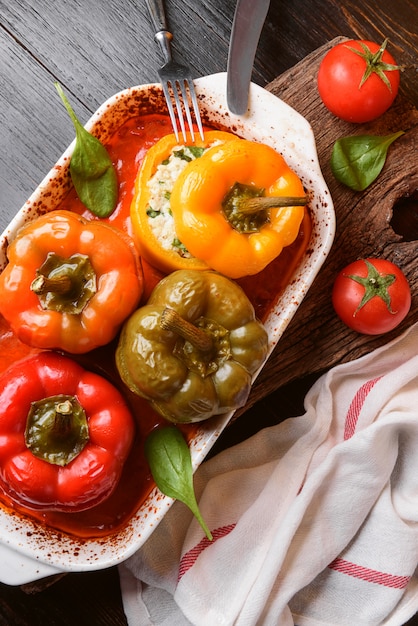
{"points": [[371, 296]]}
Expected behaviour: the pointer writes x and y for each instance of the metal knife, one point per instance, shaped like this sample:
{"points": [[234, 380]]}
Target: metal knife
{"points": [[248, 22]]}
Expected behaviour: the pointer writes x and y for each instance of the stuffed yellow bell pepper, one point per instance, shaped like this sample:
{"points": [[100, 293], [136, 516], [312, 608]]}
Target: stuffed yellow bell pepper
{"points": [[193, 348], [151, 215], [215, 205]]}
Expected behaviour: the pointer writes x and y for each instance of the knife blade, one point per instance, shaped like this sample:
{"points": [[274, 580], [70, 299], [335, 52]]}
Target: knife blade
{"points": [[249, 18]]}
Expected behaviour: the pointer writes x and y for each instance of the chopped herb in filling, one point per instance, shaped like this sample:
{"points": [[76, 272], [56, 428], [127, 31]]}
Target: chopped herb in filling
{"points": [[160, 187]]}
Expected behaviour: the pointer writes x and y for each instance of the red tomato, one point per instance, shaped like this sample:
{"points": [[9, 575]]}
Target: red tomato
{"points": [[371, 296], [341, 75]]}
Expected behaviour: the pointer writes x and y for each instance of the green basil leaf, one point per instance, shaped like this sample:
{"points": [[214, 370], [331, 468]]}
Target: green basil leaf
{"points": [[357, 161], [170, 462], [92, 172]]}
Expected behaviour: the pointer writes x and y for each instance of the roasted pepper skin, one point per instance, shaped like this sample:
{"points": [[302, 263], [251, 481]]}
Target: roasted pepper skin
{"points": [[196, 204], [151, 366], [150, 247], [91, 477], [118, 277]]}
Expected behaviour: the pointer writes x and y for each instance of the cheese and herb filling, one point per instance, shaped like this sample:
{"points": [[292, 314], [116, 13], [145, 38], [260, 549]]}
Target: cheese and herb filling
{"points": [[160, 187]]}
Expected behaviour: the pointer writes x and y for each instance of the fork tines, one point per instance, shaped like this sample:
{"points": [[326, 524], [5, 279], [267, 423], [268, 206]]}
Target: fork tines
{"points": [[179, 93]]}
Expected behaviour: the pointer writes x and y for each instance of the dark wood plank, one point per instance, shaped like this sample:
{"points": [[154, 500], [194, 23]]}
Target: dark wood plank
{"points": [[35, 129], [85, 599]]}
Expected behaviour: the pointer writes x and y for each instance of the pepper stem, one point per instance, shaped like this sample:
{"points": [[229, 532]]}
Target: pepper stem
{"points": [[259, 203], [56, 429], [171, 320], [62, 421], [58, 284], [65, 284]]}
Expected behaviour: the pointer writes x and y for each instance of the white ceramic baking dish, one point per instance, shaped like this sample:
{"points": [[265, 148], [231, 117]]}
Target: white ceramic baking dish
{"points": [[29, 551]]}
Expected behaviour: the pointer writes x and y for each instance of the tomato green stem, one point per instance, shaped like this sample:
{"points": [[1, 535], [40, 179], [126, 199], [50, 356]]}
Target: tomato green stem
{"points": [[375, 284], [374, 63]]}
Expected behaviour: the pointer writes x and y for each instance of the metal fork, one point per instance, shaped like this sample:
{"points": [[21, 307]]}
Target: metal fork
{"points": [[176, 79]]}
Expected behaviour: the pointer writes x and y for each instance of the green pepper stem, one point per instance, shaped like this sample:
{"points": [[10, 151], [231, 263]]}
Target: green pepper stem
{"points": [[62, 421], [57, 284], [171, 320], [259, 203], [65, 284], [56, 429]]}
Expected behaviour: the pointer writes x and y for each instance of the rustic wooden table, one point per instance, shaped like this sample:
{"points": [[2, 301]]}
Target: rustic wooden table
{"points": [[96, 49]]}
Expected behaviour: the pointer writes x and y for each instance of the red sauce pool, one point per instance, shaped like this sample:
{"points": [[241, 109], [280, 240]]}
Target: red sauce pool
{"points": [[127, 149]]}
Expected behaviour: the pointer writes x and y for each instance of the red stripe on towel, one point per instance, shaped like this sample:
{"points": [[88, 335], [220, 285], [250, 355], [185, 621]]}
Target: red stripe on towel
{"points": [[190, 558], [369, 575], [356, 406]]}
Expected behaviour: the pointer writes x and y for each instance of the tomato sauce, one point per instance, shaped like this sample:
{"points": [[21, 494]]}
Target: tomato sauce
{"points": [[127, 148]]}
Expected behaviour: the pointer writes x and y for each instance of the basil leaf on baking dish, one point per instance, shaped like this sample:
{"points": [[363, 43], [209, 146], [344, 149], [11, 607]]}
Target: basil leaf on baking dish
{"points": [[92, 172], [170, 462]]}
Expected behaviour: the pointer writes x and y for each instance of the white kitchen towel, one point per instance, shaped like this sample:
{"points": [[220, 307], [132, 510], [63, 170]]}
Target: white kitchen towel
{"points": [[314, 520]]}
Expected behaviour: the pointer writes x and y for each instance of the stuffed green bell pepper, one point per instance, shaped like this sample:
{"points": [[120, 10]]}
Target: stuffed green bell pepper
{"points": [[193, 348]]}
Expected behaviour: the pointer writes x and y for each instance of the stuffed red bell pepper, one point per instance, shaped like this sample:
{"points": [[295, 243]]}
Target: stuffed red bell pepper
{"points": [[65, 434]]}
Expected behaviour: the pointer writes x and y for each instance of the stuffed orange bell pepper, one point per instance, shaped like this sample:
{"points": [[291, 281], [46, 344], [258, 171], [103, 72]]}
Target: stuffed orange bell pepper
{"points": [[69, 283], [215, 215], [151, 216]]}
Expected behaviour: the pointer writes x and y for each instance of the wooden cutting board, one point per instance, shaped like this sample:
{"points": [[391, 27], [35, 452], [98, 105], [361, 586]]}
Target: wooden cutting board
{"points": [[316, 340]]}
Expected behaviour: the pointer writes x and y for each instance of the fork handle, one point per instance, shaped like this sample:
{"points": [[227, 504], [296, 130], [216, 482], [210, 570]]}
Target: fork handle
{"points": [[159, 20], [157, 13]]}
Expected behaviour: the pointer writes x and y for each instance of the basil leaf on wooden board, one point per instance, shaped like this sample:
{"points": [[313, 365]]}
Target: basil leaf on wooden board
{"points": [[357, 161], [170, 462], [92, 172]]}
